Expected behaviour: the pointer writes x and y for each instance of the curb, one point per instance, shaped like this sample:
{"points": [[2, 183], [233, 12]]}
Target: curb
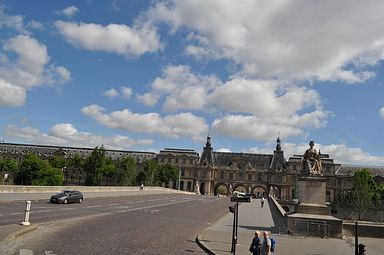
{"points": [[21, 232], [203, 245]]}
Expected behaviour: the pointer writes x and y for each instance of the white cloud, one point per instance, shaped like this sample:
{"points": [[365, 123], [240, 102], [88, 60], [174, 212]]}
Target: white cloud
{"points": [[340, 153], [120, 39], [381, 113], [126, 92], [172, 126], [255, 109], [252, 127], [11, 21], [180, 88], [31, 68], [111, 93], [69, 11], [223, 150], [11, 95], [331, 40], [25, 64], [66, 134], [148, 98]]}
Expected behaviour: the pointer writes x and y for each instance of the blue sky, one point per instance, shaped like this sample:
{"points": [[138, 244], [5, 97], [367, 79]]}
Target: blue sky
{"points": [[146, 75]]}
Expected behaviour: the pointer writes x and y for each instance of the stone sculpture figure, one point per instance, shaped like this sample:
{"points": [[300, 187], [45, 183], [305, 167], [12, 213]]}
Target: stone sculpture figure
{"points": [[197, 188], [311, 161]]}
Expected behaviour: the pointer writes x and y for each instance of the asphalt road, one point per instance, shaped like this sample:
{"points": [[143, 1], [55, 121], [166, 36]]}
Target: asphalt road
{"points": [[143, 224]]}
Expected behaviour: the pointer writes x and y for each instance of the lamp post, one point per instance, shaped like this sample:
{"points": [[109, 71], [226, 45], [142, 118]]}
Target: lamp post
{"points": [[178, 183]]}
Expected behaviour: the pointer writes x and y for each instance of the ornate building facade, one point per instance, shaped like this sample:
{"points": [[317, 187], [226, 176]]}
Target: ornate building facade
{"points": [[214, 173]]}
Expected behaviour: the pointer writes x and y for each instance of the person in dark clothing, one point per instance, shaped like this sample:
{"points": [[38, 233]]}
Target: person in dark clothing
{"points": [[255, 245]]}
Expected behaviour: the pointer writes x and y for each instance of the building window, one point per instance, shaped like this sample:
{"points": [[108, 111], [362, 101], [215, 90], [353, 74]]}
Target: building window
{"points": [[182, 173], [259, 177], [177, 160], [249, 177], [221, 174], [231, 176], [327, 196], [241, 176]]}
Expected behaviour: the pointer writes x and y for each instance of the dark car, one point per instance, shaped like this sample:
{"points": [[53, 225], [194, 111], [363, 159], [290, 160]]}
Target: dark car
{"points": [[67, 196]]}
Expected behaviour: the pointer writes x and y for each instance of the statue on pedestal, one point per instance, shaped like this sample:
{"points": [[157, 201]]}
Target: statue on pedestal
{"points": [[311, 161], [197, 188]]}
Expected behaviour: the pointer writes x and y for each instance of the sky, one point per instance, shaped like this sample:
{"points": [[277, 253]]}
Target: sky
{"points": [[147, 75]]}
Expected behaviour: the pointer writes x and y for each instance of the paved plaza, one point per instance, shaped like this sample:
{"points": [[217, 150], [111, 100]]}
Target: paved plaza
{"points": [[252, 217]]}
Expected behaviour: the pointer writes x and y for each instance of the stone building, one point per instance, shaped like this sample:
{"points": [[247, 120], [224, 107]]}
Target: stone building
{"points": [[213, 172], [71, 176]]}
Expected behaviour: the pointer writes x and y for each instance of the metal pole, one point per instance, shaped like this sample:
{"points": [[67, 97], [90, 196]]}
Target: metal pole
{"points": [[356, 240], [26, 216], [178, 184], [237, 218], [233, 247]]}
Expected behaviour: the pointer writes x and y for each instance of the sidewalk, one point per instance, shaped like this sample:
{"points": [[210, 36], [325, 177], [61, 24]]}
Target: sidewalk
{"points": [[217, 239]]}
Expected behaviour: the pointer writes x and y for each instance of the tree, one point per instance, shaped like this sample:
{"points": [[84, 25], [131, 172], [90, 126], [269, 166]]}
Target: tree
{"points": [[36, 171], [57, 162], [167, 173], [140, 178], [94, 166], [126, 174], [109, 171], [49, 176], [362, 191], [8, 166], [151, 171]]}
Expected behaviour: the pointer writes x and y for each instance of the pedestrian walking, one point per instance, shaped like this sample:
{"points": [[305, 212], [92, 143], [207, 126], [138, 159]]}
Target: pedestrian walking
{"points": [[265, 248], [262, 202], [255, 245]]}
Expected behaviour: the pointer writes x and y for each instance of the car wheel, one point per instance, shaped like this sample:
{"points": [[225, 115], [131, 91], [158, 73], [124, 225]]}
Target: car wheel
{"points": [[65, 201], [80, 200]]}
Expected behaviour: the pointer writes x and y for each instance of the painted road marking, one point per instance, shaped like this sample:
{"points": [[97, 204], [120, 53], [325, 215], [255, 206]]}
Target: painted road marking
{"points": [[152, 206], [25, 252], [93, 206]]}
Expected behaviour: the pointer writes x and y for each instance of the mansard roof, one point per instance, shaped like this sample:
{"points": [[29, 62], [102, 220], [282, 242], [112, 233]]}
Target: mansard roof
{"points": [[350, 170], [69, 152], [179, 152], [228, 158]]}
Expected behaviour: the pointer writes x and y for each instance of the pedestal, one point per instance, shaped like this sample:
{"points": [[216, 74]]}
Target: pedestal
{"points": [[311, 216], [312, 196]]}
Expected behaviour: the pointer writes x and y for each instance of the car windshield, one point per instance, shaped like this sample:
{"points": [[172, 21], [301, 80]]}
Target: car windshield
{"points": [[64, 192]]}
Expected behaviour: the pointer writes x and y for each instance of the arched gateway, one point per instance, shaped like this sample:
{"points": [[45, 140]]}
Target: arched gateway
{"points": [[223, 188]]}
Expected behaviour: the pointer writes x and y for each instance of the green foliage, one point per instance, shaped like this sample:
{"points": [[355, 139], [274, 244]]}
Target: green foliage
{"points": [[57, 162], [109, 171], [76, 162], [94, 166], [127, 172], [222, 190], [8, 166], [362, 191], [36, 171], [49, 176], [140, 178], [167, 173], [365, 194], [151, 171]]}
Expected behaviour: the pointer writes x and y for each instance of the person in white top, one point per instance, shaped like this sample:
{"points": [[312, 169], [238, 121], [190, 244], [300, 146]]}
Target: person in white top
{"points": [[265, 248], [262, 202]]}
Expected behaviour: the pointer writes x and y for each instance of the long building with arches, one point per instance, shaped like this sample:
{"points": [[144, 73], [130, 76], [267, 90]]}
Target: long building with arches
{"points": [[212, 172]]}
